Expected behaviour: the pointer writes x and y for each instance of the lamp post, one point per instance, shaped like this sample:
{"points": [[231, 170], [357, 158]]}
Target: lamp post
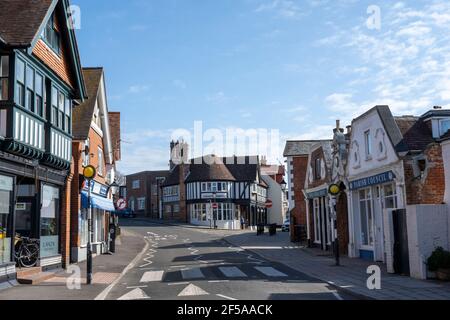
{"points": [[89, 173], [215, 215], [334, 190]]}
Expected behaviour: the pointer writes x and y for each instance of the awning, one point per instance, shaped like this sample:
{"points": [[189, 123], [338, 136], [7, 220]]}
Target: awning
{"points": [[97, 202]]}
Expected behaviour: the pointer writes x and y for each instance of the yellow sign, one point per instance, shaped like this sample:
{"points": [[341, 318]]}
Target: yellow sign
{"points": [[334, 189], [89, 172]]}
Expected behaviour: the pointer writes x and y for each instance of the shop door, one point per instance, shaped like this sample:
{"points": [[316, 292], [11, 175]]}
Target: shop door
{"points": [[26, 218], [378, 228], [401, 252]]}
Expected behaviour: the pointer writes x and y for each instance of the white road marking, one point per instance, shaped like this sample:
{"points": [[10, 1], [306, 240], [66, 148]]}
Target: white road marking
{"points": [[225, 297], [191, 291], [136, 294], [194, 273], [176, 267], [232, 272], [271, 272], [219, 281], [177, 283], [135, 287], [337, 296], [152, 276]]}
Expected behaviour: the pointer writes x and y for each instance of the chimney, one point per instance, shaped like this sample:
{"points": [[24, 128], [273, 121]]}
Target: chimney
{"points": [[338, 124], [349, 129]]}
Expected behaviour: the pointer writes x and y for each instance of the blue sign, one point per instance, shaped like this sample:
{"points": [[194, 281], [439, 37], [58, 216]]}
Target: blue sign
{"points": [[317, 194], [371, 181], [96, 188]]}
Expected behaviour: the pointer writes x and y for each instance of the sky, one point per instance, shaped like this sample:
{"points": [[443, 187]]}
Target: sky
{"points": [[276, 69]]}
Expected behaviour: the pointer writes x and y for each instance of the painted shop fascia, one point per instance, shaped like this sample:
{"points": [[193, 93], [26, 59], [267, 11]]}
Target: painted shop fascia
{"points": [[36, 102]]}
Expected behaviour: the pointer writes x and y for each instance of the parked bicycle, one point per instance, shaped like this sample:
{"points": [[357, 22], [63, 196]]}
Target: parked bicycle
{"points": [[26, 251]]}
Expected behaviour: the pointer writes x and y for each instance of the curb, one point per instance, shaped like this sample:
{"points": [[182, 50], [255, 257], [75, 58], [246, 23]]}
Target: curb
{"points": [[338, 288]]}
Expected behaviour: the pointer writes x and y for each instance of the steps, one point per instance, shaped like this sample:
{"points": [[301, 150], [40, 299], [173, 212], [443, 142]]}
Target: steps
{"points": [[33, 276]]}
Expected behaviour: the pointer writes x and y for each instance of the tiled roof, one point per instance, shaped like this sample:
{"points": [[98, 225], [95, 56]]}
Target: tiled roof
{"points": [[416, 134], [20, 20], [209, 169], [82, 114], [299, 147]]}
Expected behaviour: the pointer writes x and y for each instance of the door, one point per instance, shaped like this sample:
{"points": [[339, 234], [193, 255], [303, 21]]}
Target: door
{"points": [[26, 223], [401, 252], [378, 226]]}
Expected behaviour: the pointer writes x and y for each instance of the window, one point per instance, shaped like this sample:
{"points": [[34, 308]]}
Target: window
{"points": [[54, 116], [51, 35], [6, 189], [49, 221], [99, 221], [20, 85], [445, 126], [39, 90], [318, 169], [136, 184], [67, 115], [101, 165], [368, 141], [176, 208], [61, 100], [141, 203], [61, 110], [85, 156], [366, 216], [83, 227], [316, 210], [168, 209], [4, 77], [390, 197], [29, 101]]}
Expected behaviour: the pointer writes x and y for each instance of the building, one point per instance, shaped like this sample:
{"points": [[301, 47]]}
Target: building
{"points": [[297, 155], [93, 145], [214, 191], [273, 176], [318, 205], [446, 159], [40, 80], [145, 194]]}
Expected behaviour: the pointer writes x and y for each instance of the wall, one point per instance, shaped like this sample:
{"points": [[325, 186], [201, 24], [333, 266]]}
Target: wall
{"points": [[446, 160], [428, 228], [141, 192], [300, 165], [276, 214], [371, 122], [430, 188]]}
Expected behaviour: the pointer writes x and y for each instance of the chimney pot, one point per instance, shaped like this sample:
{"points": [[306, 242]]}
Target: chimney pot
{"points": [[338, 124]]}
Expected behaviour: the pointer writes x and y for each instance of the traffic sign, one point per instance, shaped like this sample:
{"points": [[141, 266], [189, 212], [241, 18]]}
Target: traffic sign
{"points": [[215, 205], [121, 204], [269, 204]]}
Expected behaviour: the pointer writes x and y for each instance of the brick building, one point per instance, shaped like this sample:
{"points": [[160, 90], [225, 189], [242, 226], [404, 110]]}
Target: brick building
{"points": [[144, 192], [93, 145], [40, 80]]}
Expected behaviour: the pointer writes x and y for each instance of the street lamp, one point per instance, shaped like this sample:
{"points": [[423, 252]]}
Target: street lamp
{"points": [[89, 173], [334, 190]]}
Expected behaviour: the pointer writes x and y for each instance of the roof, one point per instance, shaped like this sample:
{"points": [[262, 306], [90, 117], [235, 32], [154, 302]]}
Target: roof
{"points": [[213, 168], [299, 147], [416, 134], [327, 149], [82, 114], [20, 20]]}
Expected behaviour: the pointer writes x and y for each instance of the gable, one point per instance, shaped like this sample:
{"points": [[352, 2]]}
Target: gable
{"points": [[65, 62]]}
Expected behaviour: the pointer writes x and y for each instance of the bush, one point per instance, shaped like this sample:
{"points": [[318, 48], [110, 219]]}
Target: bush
{"points": [[439, 259]]}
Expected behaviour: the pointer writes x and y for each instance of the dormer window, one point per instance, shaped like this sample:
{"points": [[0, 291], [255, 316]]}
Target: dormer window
{"points": [[51, 35], [444, 126]]}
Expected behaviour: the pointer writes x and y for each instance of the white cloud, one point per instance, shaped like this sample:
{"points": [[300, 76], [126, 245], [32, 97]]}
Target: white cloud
{"points": [[136, 89], [282, 8]]}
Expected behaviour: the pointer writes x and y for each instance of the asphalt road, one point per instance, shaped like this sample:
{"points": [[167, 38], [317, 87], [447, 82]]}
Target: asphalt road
{"points": [[189, 264]]}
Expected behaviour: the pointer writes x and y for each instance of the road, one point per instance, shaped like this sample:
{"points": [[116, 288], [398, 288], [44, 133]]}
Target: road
{"points": [[181, 263]]}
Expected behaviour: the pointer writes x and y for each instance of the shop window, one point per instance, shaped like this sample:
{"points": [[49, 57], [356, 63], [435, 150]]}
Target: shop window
{"points": [[141, 204], [4, 78], [6, 189], [99, 221], [366, 217], [83, 227], [49, 221], [390, 197]]}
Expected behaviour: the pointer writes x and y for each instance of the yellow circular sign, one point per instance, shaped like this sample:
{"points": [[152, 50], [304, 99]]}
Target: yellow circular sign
{"points": [[89, 172], [334, 189]]}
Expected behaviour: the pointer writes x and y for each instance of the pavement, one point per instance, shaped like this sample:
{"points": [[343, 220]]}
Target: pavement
{"points": [[64, 285]]}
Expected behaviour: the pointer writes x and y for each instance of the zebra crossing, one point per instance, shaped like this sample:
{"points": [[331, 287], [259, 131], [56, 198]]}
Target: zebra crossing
{"points": [[212, 273]]}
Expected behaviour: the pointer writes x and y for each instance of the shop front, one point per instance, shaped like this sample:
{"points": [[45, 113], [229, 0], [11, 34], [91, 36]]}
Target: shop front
{"points": [[370, 197], [7, 264], [102, 205], [320, 225], [223, 215]]}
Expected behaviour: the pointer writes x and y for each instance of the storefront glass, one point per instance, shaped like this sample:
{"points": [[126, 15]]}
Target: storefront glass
{"points": [[6, 188], [390, 196], [49, 221], [365, 209]]}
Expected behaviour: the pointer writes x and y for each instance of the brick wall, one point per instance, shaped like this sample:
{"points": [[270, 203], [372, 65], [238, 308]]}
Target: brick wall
{"points": [[431, 188], [141, 192], [58, 63]]}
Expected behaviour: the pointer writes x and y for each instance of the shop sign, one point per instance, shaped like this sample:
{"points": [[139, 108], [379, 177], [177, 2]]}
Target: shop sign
{"points": [[211, 195], [6, 183], [317, 194], [49, 246], [97, 188], [371, 181]]}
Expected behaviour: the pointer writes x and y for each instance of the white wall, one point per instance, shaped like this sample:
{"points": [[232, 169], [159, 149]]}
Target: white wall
{"points": [[378, 159], [428, 228], [277, 213], [290, 183], [446, 159]]}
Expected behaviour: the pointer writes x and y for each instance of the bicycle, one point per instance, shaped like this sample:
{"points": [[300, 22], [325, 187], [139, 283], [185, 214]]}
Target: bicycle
{"points": [[26, 251]]}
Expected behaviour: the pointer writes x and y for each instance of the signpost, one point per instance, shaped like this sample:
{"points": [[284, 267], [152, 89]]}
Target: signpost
{"points": [[269, 204], [121, 204], [89, 173]]}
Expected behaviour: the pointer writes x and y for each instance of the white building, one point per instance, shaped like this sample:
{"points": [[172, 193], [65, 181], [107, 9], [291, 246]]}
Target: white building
{"points": [[273, 176]]}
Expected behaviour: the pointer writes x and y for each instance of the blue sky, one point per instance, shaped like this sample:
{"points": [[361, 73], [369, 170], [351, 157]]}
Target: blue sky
{"points": [[291, 65]]}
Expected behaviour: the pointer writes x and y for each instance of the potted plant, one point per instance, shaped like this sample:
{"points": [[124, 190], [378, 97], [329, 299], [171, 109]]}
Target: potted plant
{"points": [[439, 262]]}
